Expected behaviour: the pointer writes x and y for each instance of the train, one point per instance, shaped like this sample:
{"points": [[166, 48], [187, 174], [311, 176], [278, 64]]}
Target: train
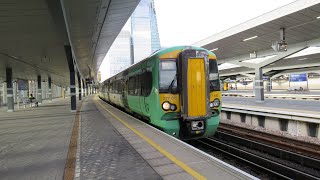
{"points": [[176, 90]]}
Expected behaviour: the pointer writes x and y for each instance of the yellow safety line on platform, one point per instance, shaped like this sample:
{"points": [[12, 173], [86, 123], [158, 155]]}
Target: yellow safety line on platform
{"points": [[159, 148]]}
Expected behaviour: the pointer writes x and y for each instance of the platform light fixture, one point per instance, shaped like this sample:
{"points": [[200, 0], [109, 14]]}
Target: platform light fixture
{"points": [[318, 17], [215, 49], [250, 38]]}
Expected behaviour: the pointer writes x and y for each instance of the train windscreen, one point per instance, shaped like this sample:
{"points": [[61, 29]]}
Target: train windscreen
{"points": [[168, 76], [214, 76]]}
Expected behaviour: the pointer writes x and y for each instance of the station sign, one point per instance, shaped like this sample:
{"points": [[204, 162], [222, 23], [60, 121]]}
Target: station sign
{"points": [[23, 84], [298, 77], [265, 78]]}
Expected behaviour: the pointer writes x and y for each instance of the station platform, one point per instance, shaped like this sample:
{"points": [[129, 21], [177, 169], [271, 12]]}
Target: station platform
{"points": [[289, 106], [34, 141], [285, 95], [292, 118], [97, 142]]}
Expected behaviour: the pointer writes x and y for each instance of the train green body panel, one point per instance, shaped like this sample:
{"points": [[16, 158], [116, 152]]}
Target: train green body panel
{"points": [[211, 126]]}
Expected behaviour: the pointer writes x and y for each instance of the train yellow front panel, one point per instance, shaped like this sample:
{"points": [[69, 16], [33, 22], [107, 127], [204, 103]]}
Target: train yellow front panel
{"points": [[196, 87]]}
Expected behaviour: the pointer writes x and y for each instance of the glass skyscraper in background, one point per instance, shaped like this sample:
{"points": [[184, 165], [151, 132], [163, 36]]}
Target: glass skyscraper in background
{"points": [[136, 41], [119, 53], [144, 30]]}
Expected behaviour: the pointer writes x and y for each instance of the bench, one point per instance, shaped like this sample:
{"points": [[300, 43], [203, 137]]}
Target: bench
{"points": [[27, 101]]}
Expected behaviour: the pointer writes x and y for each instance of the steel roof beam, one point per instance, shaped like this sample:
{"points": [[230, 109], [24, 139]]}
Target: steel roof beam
{"points": [[265, 70]]}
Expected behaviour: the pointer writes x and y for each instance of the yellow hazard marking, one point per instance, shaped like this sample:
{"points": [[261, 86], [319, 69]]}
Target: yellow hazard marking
{"points": [[159, 148]]}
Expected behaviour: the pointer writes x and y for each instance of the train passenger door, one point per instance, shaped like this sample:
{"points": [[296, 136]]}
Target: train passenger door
{"points": [[143, 91], [125, 93]]}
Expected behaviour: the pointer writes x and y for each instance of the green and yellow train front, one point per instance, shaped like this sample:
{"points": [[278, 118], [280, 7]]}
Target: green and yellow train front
{"points": [[188, 93]]}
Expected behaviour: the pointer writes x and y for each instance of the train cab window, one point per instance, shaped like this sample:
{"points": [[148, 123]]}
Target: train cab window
{"points": [[214, 76], [168, 76]]}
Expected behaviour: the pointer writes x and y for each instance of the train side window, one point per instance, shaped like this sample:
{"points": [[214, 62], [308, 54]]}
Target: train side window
{"points": [[111, 85], [137, 86], [121, 85], [131, 85], [115, 87], [142, 83], [147, 78]]}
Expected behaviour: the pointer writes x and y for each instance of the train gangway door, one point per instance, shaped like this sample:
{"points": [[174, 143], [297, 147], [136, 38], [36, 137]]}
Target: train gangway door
{"points": [[196, 87]]}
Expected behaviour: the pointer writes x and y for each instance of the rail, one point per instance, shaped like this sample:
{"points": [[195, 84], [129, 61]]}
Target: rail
{"points": [[256, 161], [303, 147]]}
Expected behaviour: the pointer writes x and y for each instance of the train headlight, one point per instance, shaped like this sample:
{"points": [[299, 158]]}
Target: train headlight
{"points": [[173, 107], [216, 102], [166, 106], [211, 105]]}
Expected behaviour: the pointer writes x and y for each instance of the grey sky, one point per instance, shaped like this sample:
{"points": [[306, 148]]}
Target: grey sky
{"points": [[184, 22]]}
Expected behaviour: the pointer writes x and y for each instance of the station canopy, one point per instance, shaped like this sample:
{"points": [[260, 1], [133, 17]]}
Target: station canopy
{"points": [[247, 46]]}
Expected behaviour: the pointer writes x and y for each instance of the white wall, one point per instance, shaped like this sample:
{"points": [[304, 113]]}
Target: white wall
{"points": [[280, 85], [313, 84], [297, 85], [240, 86]]}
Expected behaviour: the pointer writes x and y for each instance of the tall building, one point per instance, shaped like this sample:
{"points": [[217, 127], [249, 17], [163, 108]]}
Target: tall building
{"points": [[136, 41], [144, 31], [119, 53]]}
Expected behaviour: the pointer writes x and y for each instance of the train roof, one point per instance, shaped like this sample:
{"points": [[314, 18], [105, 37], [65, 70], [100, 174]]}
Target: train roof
{"points": [[177, 48], [158, 53]]}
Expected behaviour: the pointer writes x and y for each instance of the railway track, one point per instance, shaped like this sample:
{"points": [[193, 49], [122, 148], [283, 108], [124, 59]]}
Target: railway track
{"points": [[305, 148], [272, 167]]}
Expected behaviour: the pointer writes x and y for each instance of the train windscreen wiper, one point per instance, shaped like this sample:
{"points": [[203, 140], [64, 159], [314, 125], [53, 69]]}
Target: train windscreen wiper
{"points": [[172, 83]]}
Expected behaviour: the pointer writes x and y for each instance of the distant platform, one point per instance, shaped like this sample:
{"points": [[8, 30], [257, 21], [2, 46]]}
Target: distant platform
{"points": [[291, 95]]}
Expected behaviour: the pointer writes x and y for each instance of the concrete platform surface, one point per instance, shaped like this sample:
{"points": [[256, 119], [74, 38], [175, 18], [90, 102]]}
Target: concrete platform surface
{"points": [[168, 156], [104, 153], [34, 141]]}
